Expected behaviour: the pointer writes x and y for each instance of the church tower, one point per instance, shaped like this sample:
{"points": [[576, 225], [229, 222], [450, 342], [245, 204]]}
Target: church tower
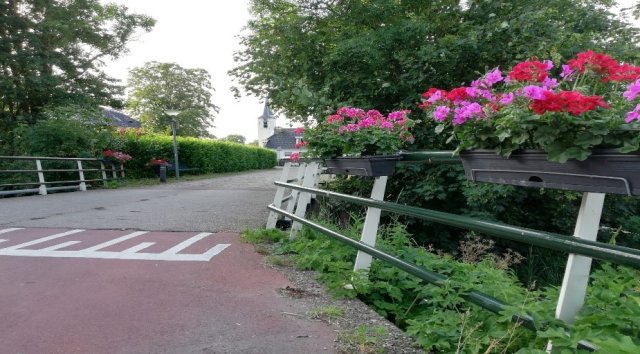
{"points": [[266, 125]]}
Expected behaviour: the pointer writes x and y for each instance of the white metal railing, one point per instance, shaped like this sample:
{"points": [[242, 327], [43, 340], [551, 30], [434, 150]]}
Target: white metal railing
{"points": [[104, 170]]}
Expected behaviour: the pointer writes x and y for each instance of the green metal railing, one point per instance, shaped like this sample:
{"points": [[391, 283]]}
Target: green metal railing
{"points": [[574, 245], [617, 254]]}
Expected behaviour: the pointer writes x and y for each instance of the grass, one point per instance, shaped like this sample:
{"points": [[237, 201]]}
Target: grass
{"points": [[366, 339], [326, 312], [280, 261]]}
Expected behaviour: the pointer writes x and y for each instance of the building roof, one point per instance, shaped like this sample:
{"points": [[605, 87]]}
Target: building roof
{"points": [[284, 138], [119, 119], [266, 113]]}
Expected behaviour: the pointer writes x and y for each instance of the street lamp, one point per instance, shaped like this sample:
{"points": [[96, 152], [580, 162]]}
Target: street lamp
{"points": [[173, 113]]}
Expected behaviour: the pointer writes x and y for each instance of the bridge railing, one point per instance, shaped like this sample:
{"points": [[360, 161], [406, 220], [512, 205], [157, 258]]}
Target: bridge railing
{"points": [[577, 247], [26, 174]]}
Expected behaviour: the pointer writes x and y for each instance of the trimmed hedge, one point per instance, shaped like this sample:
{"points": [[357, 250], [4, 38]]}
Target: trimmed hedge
{"points": [[209, 156]]}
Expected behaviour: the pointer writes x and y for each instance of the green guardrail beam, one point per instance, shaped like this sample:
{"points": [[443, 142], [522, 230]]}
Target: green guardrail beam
{"points": [[476, 297], [616, 254]]}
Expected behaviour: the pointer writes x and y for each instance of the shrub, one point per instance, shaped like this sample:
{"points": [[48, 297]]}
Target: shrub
{"points": [[209, 156]]}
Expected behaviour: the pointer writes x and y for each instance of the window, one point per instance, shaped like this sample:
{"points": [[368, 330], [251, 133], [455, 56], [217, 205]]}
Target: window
{"points": [[287, 153], [265, 124]]}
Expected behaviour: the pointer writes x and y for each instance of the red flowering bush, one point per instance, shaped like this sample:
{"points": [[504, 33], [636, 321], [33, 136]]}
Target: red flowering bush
{"points": [[116, 156], [566, 111], [355, 132]]}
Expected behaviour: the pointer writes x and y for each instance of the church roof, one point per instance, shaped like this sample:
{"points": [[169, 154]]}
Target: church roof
{"points": [[266, 113], [284, 138], [119, 119]]}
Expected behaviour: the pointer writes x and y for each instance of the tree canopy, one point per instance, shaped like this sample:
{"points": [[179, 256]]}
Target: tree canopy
{"points": [[235, 138], [311, 56], [51, 53], [157, 87]]}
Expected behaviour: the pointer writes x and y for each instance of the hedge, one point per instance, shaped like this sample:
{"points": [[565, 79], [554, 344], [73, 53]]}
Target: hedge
{"points": [[209, 156]]}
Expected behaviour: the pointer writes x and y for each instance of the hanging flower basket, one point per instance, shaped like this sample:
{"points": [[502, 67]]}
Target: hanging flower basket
{"points": [[605, 171], [371, 166]]}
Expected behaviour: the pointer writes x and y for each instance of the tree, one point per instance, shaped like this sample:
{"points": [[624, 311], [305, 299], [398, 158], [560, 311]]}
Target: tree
{"points": [[51, 52], [311, 56], [235, 138], [157, 87]]}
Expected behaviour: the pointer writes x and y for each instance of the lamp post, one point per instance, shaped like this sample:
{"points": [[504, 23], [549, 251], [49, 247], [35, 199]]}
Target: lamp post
{"points": [[173, 113]]}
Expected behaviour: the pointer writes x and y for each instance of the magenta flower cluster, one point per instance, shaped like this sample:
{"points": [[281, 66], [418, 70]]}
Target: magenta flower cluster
{"points": [[350, 120], [630, 94]]}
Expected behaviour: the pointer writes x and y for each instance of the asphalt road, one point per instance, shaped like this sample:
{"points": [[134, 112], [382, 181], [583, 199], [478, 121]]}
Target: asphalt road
{"points": [[158, 269], [227, 203]]}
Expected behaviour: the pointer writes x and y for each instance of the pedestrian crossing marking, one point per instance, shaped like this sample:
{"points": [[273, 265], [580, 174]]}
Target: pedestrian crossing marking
{"points": [[97, 252]]}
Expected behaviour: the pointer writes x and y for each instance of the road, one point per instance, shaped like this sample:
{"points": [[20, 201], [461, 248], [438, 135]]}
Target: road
{"points": [[227, 203], [158, 269]]}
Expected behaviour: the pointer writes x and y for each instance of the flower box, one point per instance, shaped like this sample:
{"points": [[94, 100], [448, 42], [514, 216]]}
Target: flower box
{"points": [[605, 171], [371, 166]]}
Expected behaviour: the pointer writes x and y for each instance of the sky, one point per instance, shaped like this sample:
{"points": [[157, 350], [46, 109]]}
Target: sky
{"points": [[196, 34]]}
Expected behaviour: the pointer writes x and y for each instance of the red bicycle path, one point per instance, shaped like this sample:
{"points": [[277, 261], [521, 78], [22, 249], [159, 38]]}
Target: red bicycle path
{"points": [[229, 304]]}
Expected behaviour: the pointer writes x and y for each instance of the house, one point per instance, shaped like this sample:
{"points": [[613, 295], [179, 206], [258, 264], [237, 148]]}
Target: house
{"points": [[119, 119], [284, 141]]}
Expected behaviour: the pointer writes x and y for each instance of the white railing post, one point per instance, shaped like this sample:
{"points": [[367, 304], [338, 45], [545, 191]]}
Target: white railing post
{"points": [[371, 223], [43, 185], [122, 170], [103, 171], [304, 198], [277, 200], [291, 204], [576, 276], [83, 185], [114, 172]]}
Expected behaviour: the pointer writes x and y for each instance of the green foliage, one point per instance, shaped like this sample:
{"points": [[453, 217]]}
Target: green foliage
{"points": [[313, 56], [209, 156], [234, 138], [326, 312], [442, 321], [157, 87], [51, 52], [365, 338], [263, 236], [62, 138]]}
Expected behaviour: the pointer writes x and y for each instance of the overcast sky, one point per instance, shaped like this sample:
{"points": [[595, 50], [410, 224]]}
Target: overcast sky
{"points": [[197, 34]]}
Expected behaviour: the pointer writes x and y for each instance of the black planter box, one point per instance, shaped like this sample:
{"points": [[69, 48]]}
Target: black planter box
{"points": [[372, 166], [606, 171]]}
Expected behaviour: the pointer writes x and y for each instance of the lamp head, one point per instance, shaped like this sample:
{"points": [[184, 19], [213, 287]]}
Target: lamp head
{"points": [[172, 112]]}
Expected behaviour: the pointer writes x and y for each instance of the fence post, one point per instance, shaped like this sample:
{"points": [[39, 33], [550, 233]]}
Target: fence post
{"points": [[295, 193], [277, 200], [43, 185], [103, 171], [576, 276], [114, 172], [122, 170], [304, 198], [371, 222], [83, 185]]}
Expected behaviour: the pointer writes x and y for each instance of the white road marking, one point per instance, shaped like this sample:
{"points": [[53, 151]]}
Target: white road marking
{"points": [[130, 253], [116, 240], [44, 239], [4, 231], [139, 247], [205, 257], [57, 247], [186, 243]]}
